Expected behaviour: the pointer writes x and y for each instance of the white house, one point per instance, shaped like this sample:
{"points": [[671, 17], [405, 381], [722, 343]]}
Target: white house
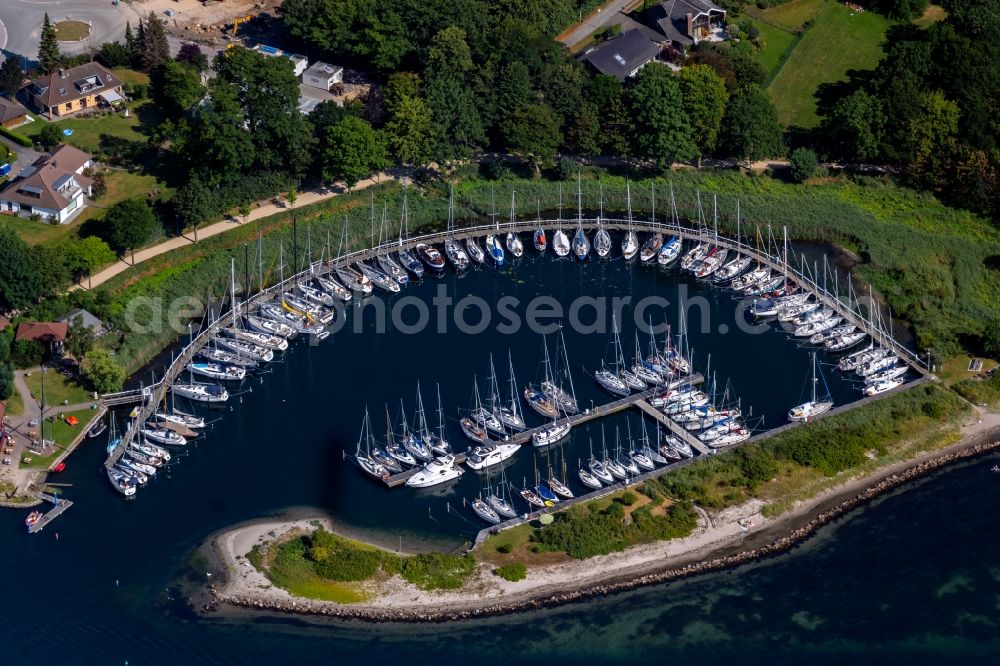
{"points": [[322, 75], [53, 187], [299, 62]]}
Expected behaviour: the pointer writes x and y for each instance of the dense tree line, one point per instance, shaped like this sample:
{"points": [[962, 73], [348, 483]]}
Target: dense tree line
{"points": [[931, 106]]}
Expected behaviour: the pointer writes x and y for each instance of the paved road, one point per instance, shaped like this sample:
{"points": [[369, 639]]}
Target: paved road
{"points": [[25, 156], [593, 22], [21, 23]]}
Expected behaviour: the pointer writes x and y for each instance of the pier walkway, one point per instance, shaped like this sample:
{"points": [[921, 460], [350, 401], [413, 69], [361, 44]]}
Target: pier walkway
{"points": [[60, 505], [675, 429]]}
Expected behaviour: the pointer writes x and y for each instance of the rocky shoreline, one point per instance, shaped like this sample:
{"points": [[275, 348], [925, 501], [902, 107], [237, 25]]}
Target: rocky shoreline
{"points": [[774, 547]]}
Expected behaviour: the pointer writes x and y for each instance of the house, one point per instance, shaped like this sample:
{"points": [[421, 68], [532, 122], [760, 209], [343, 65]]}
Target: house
{"points": [[12, 114], [52, 334], [323, 76], [95, 325], [53, 186], [624, 55], [68, 91], [687, 22]]}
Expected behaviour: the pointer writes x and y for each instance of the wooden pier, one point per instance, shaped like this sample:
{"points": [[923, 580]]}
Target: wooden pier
{"points": [[60, 505], [675, 429]]}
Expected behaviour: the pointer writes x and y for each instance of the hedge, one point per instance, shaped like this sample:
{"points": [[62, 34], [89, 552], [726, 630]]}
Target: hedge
{"points": [[16, 138]]}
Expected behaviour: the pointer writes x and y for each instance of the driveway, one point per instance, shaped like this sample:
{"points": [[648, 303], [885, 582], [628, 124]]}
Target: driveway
{"points": [[593, 22], [25, 156], [21, 24]]}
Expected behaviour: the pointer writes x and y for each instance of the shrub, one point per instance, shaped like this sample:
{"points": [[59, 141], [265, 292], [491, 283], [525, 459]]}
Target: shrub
{"points": [[50, 135], [16, 138], [27, 353], [628, 498], [804, 164], [504, 548], [568, 169], [513, 572]]}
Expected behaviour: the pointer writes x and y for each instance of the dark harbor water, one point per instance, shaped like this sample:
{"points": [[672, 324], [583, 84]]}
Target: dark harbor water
{"points": [[915, 575]]}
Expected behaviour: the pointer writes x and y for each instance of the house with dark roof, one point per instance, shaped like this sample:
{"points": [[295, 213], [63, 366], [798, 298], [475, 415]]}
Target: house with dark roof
{"points": [[88, 320], [68, 91], [687, 22], [53, 186], [12, 114], [624, 55], [52, 334]]}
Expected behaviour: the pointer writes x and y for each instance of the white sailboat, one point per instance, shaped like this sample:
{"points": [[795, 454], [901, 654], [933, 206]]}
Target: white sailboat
{"points": [[514, 244], [630, 244], [363, 457], [602, 239], [436, 442], [510, 413], [560, 241], [554, 388], [816, 406], [610, 378]]}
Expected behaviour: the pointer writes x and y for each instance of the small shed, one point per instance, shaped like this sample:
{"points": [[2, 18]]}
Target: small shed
{"points": [[95, 325], [322, 75]]}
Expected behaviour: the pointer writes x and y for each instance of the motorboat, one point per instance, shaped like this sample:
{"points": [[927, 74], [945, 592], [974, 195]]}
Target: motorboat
{"points": [[121, 482], [589, 479], [201, 392], [651, 247], [97, 429], [217, 371], [431, 257], [487, 455], [328, 284], [551, 434], [475, 250], [379, 279], [440, 470], [485, 511], [560, 243], [270, 326], [494, 249]]}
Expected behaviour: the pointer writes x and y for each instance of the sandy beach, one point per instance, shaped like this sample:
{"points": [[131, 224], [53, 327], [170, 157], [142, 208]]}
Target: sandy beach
{"points": [[724, 539]]}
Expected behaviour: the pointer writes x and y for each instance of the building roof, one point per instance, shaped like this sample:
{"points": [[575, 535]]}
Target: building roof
{"points": [[4, 322], [621, 56], [88, 319], [671, 17], [42, 331], [10, 110], [38, 185], [67, 85], [322, 70]]}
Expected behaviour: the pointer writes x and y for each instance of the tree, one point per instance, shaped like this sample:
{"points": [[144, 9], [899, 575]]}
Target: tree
{"points": [[193, 204], [608, 98], [6, 380], [934, 134], [533, 133], [327, 24], [804, 163], [660, 127], [113, 54], [20, 284], [50, 135], [854, 127], [750, 128], [82, 256], [410, 131], [102, 371], [190, 53], [79, 338], [216, 146], [49, 57], [292, 196], [153, 47], [176, 87], [128, 224], [448, 93], [399, 86], [11, 77], [244, 211], [513, 88], [352, 150], [704, 98]]}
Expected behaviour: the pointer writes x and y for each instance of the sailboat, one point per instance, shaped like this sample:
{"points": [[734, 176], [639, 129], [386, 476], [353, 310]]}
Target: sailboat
{"points": [[551, 434], [651, 248], [514, 245], [558, 486], [494, 249], [437, 443], [363, 458], [487, 417], [395, 448], [470, 424], [638, 453], [499, 503], [553, 388], [121, 482], [581, 245], [217, 371], [602, 239], [509, 415], [598, 468], [475, 250], [630, 244], [407, 258], [485, 511], [409, 440], [610, 380], [452, 248], [538, 239], [560, 241]]}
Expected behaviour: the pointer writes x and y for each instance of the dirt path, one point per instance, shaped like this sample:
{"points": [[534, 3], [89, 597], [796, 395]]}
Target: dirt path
{"points": [[262, 209]]}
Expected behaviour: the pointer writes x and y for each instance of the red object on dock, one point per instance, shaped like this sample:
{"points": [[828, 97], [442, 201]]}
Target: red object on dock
{"points": [[60, 467]]}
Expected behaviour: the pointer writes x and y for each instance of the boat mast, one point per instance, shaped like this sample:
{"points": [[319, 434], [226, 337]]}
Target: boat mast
{"points": [[579, 203], [494, 388], [421, 417], [652, 194], [232, 290], [569, 375], [512, 210], [600, 204], [513, 386], [628, 204], [440, 414]]}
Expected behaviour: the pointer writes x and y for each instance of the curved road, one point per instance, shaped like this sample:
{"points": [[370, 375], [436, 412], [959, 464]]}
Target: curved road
{"points": [[21, 24]]}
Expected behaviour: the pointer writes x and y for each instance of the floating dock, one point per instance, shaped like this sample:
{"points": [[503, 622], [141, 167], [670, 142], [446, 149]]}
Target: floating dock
{"points": [[675, 429], [59, 506]]}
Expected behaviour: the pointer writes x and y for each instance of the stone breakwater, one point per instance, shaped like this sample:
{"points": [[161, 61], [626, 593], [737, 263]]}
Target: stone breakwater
{"points": [[778, 546]]}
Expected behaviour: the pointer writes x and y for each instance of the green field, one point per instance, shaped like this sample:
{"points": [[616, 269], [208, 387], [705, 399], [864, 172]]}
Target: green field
{"points": [[94, 135], [776, 42], [72, 31], [839, 41], [57, 388], [791, 15], [62, 433]]}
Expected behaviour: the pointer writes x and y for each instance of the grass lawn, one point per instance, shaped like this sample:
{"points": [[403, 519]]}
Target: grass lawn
{"points": [[130, 75], [88, 132], [63, 434], [932, 15], [956, 369], [840, 40], [14, 405], [37, 233], [791, 15], [123, 185], [57, 389], [71, 31], [776, 43]]}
